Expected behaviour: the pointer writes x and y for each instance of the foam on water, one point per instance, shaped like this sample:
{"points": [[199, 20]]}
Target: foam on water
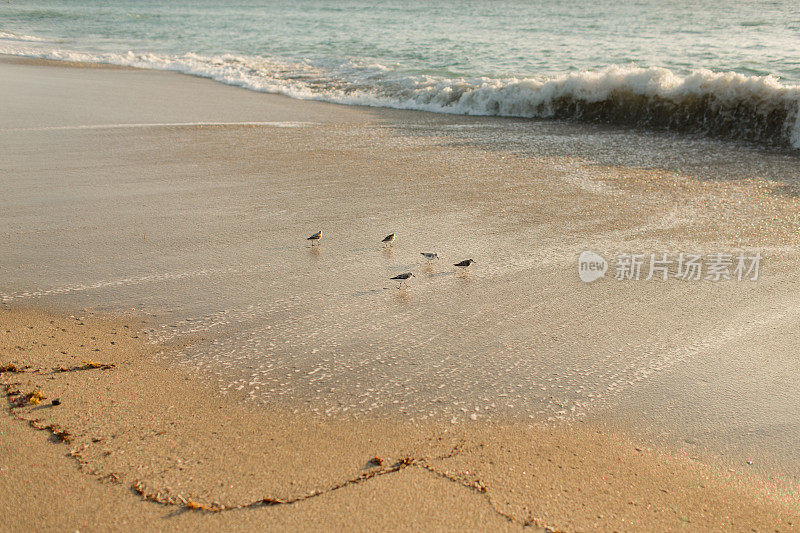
{"points": [[6, 36], [725, 105], [699, 68]]}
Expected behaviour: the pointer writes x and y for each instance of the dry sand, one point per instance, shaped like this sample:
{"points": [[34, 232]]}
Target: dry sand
{"points": [[256, 371], [136, 442]]}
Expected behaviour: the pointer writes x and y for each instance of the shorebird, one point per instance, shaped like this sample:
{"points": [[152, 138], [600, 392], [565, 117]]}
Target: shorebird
{"points": [[430, 256], [315, 238], [402, 278], [388, 240], [464, 264]]}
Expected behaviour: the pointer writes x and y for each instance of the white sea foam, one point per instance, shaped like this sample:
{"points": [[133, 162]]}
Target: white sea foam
{"points": [[25, 38], [726, 105]]}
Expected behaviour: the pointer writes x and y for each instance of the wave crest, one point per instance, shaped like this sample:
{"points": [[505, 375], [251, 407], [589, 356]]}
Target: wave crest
{"points": [[724, 105]]}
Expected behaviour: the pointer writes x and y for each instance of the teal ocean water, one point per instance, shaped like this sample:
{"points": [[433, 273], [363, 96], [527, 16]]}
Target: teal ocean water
{"points": [[719, 68]]}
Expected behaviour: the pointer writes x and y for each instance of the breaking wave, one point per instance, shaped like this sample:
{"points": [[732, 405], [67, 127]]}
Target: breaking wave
{"points": [[725, 105]]}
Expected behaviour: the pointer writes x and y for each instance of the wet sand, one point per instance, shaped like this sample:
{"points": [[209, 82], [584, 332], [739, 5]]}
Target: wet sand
{"points": [[187, 203]]}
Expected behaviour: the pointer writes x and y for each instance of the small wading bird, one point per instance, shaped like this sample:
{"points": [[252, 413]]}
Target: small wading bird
{"points": [[388, 240], [315, 238], [430, 256], [402, 278], [464, 264]]}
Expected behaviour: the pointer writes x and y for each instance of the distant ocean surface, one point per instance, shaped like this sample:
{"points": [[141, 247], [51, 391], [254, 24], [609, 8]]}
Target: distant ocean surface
{"points": [[722, 68]]}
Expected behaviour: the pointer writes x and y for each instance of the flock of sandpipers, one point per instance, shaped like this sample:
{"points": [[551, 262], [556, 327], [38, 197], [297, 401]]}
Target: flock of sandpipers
{"points": [[388, 241]]}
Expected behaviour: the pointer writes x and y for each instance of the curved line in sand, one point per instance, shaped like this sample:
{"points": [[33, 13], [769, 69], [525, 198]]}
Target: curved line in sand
{"points": [[124, 282], [273, 124]]}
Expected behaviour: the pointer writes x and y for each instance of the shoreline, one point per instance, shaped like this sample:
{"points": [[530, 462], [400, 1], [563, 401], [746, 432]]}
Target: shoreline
{"points": [[10, 59], [92, 212], [128, 419], [782, 144]]}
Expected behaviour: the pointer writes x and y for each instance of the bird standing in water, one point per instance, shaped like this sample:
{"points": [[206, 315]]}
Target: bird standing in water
{"points": [[388, 240], [402, 278], [464, 264]]}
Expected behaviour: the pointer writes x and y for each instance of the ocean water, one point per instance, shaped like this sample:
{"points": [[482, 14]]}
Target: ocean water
{"points": [[723, 69]]}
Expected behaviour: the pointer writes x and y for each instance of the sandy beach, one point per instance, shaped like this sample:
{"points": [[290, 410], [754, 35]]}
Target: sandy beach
{"points": [[135, 443], [214, 371]]}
